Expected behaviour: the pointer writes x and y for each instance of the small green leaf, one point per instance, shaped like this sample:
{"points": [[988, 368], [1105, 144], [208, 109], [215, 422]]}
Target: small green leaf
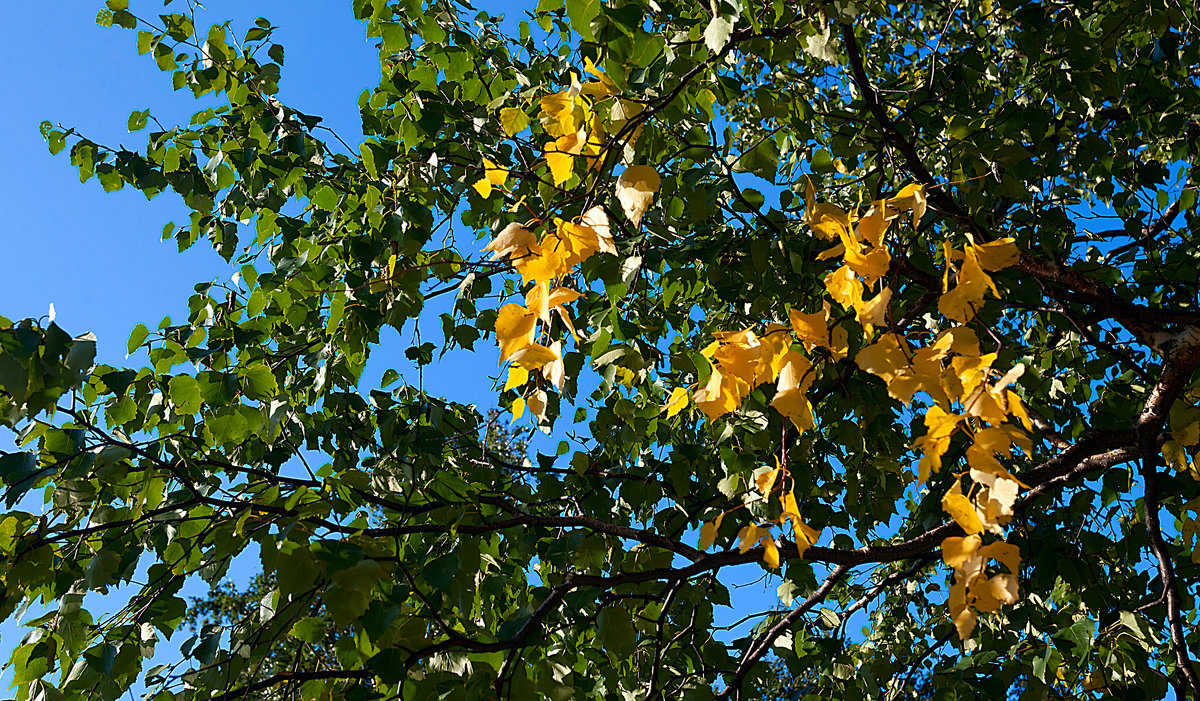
{"points": [[136, 338]]}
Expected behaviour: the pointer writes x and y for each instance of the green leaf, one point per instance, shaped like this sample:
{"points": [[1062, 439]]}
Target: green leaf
{"points": [[137, 120], [258, 381], [581, 14], [310, 630], [185, 394], [136, 338], [614, 630]]}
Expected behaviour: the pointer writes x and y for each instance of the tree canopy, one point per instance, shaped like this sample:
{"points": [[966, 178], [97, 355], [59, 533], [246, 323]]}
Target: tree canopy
{"points": [[893, 302]]}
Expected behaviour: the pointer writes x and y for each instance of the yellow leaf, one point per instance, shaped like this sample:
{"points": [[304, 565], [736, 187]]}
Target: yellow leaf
{"points": [[873, 224], [560, 111], [605, 87], [885, 358], [555, 371], [939, 426], [827, 221], [874, 312], [1006, 553], [956, 551], [844, 287], [537, 404], [805, 536], [513, 241], [484, 187], [770, 552], [513, 120], [560, 155], [708, 532], [791, 398], [533, 356], [765, 480], [776, 342], [518, 408], [870, 264], [596, 220], [964, 622], [517, 376], [811, 329], [514, 329], [717, 397], [747, 537], [998, 254], [839, 342], [677, 402], [1174, 455], [989, 593], [910, 197], [635, 190], [962, 511]]}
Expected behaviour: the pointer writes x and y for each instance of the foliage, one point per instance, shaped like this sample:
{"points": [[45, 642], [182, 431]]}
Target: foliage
{"points": [[860, 288]]}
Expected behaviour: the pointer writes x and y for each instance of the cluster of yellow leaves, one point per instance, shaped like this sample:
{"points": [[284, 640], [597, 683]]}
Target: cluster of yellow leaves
{"points": [[768, 481], [973, 590], [952, 372], [573, 119], [865, 258], [973, 281]]}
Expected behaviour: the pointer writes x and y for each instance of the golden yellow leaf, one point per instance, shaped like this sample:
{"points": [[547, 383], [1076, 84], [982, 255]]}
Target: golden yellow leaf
{"points": [[514, 329], [747, 537], [708, 532], [1006, 553], [827, 221], [962, 511], [518, 408], [811, 329], [677, 402], [635, 191], [998, 254], [910, 197], [517, 376], [765, 480], [513, 241], [770, 551], [533, 356], [776, 342], [844, 287], [791, 398], [873, 225], [513, 120], [989, 593], [839, 342], [885, 358], [560, 112], [605, 87], [716, 398], [870, 264], [560, 155], [939, 426], [874, 312], [740, 354], [956, 551], [484, 187]]}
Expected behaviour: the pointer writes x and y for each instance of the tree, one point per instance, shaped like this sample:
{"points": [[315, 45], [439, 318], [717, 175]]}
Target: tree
{"points": [[896, 301]]}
